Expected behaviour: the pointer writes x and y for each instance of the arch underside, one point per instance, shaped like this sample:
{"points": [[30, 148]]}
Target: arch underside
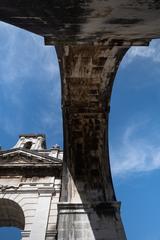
{"points": [[91, 38], [11, 214]]}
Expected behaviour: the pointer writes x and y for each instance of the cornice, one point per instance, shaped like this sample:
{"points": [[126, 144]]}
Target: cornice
{"points": [[29, 153]]}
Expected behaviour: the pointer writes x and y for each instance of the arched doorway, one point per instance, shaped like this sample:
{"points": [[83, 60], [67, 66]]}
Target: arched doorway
{"points": [[12, 219], [11, 214]]}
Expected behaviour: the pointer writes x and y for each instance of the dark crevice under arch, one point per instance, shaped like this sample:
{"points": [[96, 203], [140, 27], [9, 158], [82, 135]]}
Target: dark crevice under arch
{"points": [[11, 214]]}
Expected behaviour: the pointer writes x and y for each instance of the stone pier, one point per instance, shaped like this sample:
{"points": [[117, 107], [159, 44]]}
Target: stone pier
{"points": [[88, 209]]}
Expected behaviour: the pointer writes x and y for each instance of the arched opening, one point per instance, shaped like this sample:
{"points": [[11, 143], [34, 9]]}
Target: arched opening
{"points": [[11, 214], [12, 219], [28, 145]]}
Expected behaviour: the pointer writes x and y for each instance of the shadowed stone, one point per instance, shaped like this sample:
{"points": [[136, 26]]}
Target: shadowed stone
{"points": [[87, 190]]}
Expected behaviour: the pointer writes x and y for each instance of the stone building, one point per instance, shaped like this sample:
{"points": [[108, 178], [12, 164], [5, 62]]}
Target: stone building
{"points": [[30, 183]]}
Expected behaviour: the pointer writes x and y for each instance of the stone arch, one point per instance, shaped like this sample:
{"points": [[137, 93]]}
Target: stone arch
{"points": [[11, 214]]}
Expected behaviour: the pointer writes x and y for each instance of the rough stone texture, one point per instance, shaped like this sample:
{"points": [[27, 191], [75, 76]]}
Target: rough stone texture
{"points": [[85, 20], [87, 78], [11, 214], [30, 183]]}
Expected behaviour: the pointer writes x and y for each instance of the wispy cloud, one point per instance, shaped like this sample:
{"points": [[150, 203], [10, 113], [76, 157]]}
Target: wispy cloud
{"points": [[152, 52], [22, 53], [134, 154], [29, 78]]}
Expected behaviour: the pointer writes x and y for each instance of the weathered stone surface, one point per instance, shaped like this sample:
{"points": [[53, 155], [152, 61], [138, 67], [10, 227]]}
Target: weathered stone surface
{"points": [[85, 20], [92, 36], [83, 221], [11, 214], [87, 78]]}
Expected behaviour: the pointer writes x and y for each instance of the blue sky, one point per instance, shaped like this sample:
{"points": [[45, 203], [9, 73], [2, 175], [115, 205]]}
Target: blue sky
{"points": [[29, 87], [30, 103]]}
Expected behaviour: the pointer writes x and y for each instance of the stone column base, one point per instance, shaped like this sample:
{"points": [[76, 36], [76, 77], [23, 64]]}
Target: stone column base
{"points": [[90, 221]]}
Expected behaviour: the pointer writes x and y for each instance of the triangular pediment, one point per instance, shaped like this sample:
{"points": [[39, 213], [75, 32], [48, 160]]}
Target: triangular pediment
{"points": [[24, 157]]}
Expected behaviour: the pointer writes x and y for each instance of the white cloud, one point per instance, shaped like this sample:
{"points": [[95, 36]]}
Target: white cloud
{"points": [[134, 154], [20, 51], [24, 58], [152, 52]]}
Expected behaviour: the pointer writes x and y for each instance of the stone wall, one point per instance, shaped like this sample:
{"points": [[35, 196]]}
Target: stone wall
{"points": [[29, 193]]}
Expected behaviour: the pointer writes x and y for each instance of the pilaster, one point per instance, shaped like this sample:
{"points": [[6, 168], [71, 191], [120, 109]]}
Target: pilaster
{"points": [[39, 227]]}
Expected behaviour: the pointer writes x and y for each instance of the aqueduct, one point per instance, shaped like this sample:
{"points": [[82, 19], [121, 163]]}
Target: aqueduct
{"points": [[91, 38]]}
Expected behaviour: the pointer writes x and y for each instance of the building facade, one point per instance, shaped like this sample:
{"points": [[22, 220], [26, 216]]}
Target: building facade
{"points": [[30, 183]]}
